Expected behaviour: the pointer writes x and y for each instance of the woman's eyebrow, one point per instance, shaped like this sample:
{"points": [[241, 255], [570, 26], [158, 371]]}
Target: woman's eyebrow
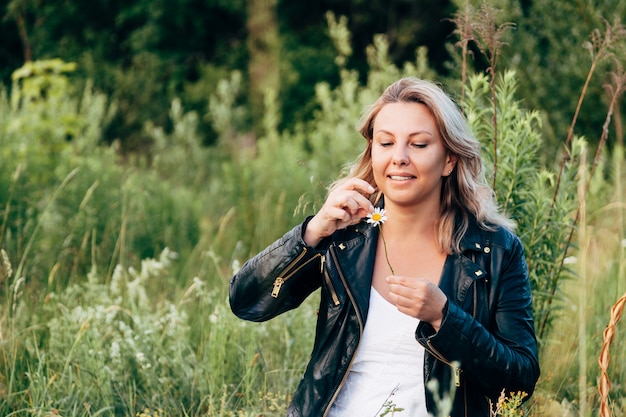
{"points": [[416, 133]]}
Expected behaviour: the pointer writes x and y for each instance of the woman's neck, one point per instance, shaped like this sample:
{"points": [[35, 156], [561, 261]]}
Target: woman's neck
{"points": [[414, 221]]}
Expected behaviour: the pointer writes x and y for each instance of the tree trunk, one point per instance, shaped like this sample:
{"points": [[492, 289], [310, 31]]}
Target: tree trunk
{"points": [[21, 25], [264, 49]]}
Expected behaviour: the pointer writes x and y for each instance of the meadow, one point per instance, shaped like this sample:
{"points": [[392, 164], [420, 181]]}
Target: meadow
{"points": [[114, 268]]}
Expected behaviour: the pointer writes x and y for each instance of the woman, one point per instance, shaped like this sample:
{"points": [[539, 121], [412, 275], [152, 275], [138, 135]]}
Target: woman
{"points": [[424, 287]]}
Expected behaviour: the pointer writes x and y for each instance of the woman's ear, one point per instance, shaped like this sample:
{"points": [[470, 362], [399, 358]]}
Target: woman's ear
{"points": [[450, 164]]}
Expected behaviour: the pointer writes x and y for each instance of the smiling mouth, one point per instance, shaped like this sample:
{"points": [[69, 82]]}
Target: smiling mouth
{"points": [[401, 177]]}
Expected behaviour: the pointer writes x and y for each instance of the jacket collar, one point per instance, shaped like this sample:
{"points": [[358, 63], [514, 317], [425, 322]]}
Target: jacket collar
{"points": [[474, 238]]}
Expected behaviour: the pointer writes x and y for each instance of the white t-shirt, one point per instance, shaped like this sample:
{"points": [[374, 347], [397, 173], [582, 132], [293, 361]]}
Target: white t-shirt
{"points": [[388, 367]]}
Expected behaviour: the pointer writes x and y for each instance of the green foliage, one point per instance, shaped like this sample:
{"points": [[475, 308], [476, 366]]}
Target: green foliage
{"points": [[509, 406], [525, 189], [141, 53], [554, 49], [46, 136], [43, 119], [144, 53], [67, 202], [121, 348]]}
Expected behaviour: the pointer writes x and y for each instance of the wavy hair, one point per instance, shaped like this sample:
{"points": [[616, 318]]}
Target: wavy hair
{"points": [[465, 193]]}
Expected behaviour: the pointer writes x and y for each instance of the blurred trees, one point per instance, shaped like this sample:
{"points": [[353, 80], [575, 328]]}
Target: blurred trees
{"points": [[143, 54], [552, 50]]}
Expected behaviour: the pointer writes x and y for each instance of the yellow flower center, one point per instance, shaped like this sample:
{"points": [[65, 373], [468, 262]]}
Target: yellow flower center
{"points": [[376, 217]]}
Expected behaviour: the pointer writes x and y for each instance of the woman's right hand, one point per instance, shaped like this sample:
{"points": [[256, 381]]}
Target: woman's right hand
{"points": [[345, 205]]}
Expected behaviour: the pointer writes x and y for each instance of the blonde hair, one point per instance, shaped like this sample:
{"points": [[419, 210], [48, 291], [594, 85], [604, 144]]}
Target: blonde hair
{"points": [[465, 192]]}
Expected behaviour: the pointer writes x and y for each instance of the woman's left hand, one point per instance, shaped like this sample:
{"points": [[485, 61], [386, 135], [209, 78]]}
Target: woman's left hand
{"points": [[417, 297]]}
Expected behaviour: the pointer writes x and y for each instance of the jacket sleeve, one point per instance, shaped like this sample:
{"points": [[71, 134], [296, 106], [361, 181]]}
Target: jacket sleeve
{"points": [[503, 356], [276, 280]]}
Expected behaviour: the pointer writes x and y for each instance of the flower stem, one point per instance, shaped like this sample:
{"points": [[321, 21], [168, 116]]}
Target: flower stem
{"points": [[385, 246]]}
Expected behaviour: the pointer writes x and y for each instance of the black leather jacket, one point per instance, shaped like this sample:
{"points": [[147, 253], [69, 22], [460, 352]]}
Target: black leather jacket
{"points": [[486, 342]]}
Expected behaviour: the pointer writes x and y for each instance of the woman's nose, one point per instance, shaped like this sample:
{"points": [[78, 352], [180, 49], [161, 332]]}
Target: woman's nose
{"points": [[400, 156]]}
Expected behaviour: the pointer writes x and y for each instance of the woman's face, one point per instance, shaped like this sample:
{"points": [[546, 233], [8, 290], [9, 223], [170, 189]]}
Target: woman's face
{"points": [[408, 155]]}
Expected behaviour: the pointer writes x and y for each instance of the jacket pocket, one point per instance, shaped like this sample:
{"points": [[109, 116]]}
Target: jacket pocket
{"points": [[454, 366], [292, 269], [329, 283]]}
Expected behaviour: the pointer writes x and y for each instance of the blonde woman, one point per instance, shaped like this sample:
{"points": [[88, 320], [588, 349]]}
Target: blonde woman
{"points": [[421, 278]]}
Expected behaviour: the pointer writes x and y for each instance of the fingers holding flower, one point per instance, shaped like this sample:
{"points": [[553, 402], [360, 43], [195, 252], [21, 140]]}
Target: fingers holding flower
{"points": [[417, 297], [345, 205]]}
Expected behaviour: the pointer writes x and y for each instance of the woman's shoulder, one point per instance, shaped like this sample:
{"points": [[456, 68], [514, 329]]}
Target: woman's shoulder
{"points": [[491, 235], [355, 232]]}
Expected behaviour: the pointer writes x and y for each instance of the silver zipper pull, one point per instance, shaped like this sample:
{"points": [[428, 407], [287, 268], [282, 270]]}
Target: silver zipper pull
{"points": [[323, 259], [278, 282]]}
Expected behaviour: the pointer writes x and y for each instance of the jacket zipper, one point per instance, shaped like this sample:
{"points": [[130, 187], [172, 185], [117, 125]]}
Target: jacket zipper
{"points": [[345, 375], [456, 369], [333, 293], [475, 290], [475, 312], [287, 273]]}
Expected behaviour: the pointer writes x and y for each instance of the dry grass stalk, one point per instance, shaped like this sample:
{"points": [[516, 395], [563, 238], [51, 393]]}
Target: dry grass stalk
{"points": [[604, 359], [614, 91], [488, 36], [463, 20], [600, 47]]}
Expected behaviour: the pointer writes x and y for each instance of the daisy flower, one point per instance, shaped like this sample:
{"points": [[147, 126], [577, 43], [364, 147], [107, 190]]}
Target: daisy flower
{"points": [[377, 217]]}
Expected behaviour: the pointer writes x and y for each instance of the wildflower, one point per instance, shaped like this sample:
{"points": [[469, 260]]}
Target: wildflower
{"points": [[377, 218], [235, 266], [117, 280], [5, 266], [115, 350], [570, 260], [213, 318]]}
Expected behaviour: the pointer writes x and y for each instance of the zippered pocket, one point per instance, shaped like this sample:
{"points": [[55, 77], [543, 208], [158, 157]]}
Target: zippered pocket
{"points": [[455, 369], [291, 270], [331, 287]]}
